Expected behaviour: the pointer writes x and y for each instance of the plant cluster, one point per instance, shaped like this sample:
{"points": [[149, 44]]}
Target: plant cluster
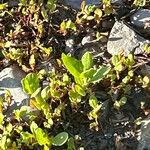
{"points": [[32, 125], [25, 32]]}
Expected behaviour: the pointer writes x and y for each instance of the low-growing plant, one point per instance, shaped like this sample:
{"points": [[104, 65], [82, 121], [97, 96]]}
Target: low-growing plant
{"points": [[22, 40], [84, 74], [67, 25], [23, 132], [91, 12]]}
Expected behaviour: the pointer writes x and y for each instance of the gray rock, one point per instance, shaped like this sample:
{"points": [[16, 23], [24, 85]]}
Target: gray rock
{"points": [[140, 18], [144, 138], [124, 39], [10, 79]]}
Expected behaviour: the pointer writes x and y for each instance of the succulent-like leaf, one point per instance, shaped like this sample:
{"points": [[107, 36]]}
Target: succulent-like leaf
{"points": [[73, 65], [45, 93], [80, 90], [42, 137], [88, 73], [93, 101], [87, 61], [30, 83], [101, 72], [60, 139]]}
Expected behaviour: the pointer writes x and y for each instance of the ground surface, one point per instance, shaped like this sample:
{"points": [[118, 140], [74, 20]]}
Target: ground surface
{"points": [[117, 128]]}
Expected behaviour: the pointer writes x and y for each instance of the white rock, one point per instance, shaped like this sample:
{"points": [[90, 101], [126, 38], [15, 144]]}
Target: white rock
{"points": [[123, 38]]}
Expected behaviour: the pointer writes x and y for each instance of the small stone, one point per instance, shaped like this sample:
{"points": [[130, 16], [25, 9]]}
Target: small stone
{"points": [[124, 39], [69, 45], [87, 39], [144, 142], [140, 18]]}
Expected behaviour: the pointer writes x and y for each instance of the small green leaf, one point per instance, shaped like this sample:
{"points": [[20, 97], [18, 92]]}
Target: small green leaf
{"points": [[120, 103], [74, 97], [70, 143], [88, 73], [87, 61], [73, 65], [91, 8], [93, 102], [140, 3], [23, 2], [26, 137], [32, 61], [70, 25], [3, 6], [123, 101], [9, 128], [48, 50], [80, 90], [33, 127], [45, 93], [19, 113], [38, 98], [42, 137], [115, 60], [126, 79], [1, 104], [101, 72], [83, 4], [1, 118], [90, 17], [44, 13], [30, 83], [98, 12], [147, 48], [106, 2], [51, 5], [146, 80], [60, 139]]}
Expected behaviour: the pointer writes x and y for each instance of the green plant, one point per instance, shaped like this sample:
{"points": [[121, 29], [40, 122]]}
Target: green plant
{"points": [[66, 25], [121, 77], [95, 113], [139, 3], [22, 40], [147, 48], [26, 132], [89, 13], [84, 74]]}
